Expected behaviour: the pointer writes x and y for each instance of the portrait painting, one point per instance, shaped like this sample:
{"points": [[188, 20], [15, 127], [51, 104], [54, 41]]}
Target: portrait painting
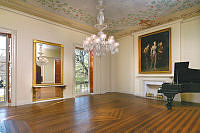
{"points": [[155, 52]]}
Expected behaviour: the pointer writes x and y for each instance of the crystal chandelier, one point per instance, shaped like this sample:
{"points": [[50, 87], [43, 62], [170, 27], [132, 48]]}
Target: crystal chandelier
{"points": [[41, 60], [98, 43]]}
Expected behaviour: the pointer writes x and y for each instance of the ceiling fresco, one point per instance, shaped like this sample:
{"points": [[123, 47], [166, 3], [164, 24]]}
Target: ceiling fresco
{"points": [[119, 14]]}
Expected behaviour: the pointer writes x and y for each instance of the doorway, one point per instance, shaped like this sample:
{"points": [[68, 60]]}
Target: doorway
{"points": [[83, 72], [5, 69]]}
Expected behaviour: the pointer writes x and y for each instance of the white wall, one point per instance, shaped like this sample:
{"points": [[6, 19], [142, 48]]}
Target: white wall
{"points": [[175, 53], [122, 67], [117, 73], [185, 47], [102, 74], [190, 49], [29, 28]]}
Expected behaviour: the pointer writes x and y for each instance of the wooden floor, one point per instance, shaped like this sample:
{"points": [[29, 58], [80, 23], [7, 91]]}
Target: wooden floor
{"points": [[110, 112]]}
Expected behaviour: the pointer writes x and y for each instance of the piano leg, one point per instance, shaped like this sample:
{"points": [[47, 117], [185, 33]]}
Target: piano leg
{"points": [[170, 98]]}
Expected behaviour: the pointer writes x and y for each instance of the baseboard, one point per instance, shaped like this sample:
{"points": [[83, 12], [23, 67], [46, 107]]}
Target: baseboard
{"points": [[103, 92], [23, 103], [48, 100], [126, 92], [27, 103]]}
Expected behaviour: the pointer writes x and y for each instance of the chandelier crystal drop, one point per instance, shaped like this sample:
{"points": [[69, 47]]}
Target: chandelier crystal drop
{"points": [[41, 60], [98, 44]]}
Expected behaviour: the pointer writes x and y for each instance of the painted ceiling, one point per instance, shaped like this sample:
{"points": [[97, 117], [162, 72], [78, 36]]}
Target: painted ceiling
{"points": [[119, 14]]}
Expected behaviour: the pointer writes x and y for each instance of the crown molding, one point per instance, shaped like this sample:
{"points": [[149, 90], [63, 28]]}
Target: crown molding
{"points": [[44, 14], [185, 14], [155, 28], [39, 12]]}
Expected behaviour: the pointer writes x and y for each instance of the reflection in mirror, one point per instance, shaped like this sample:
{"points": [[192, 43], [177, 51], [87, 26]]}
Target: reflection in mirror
{"points": [[48, 63]]}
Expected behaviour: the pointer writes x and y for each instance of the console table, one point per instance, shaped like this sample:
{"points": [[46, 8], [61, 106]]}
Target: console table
{"points": [[47, 92]]}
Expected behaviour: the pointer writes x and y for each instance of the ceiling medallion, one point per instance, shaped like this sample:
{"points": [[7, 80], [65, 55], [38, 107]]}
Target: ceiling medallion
{"points": [[98, 43]]}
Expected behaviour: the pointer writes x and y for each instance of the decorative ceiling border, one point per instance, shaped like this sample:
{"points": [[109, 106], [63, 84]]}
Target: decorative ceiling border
{"points": [[149, 12], [62, 8], [42, 13], [184, 14], [144, 24]]}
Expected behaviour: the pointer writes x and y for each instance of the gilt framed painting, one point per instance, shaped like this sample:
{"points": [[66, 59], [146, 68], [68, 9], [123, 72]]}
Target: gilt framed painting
{"points": [[155, 52]]}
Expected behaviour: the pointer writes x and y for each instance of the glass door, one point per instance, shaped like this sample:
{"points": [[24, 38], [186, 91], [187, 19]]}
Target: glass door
{"points": [[82, 72], [5, 70]]}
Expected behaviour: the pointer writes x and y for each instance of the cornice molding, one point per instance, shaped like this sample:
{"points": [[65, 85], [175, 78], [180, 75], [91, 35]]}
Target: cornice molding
{"points": [[185, 14], [155, 28], [44, 14], [39, 12]]}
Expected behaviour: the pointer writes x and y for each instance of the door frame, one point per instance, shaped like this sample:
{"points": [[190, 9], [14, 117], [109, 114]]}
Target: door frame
{"points": [[91, 85], [13, 54]]}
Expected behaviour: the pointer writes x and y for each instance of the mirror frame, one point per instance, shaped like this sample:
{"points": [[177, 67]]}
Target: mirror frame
{"points": [[34, 62]]}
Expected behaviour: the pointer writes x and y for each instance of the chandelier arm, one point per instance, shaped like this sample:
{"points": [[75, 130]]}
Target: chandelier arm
{"points": [[98, 44]]}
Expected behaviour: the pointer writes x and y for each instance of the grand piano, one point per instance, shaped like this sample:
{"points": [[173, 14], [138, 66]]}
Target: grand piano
{"points": [[186, 80]]}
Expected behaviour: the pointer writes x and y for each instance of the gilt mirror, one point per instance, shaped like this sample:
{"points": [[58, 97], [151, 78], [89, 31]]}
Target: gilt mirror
{"points": [[47, 63]]}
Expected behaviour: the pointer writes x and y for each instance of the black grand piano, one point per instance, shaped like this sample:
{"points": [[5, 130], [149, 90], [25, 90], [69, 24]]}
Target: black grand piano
{"points": [[186, 80]]}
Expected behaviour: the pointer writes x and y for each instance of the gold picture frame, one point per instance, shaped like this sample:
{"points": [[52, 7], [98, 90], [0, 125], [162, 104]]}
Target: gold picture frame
{"points": [[155, 52], [34, 62]]}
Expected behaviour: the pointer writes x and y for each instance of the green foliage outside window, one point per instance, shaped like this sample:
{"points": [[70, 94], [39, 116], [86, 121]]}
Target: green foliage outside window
{"points": [[81, 70]]}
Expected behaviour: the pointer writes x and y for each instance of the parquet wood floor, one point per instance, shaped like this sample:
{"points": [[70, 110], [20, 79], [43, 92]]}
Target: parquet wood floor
{"points": [[105, 113]]}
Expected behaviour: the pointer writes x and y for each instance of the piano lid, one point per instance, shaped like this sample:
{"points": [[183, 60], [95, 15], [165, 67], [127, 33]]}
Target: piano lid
{"points": [[178, 67]]}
